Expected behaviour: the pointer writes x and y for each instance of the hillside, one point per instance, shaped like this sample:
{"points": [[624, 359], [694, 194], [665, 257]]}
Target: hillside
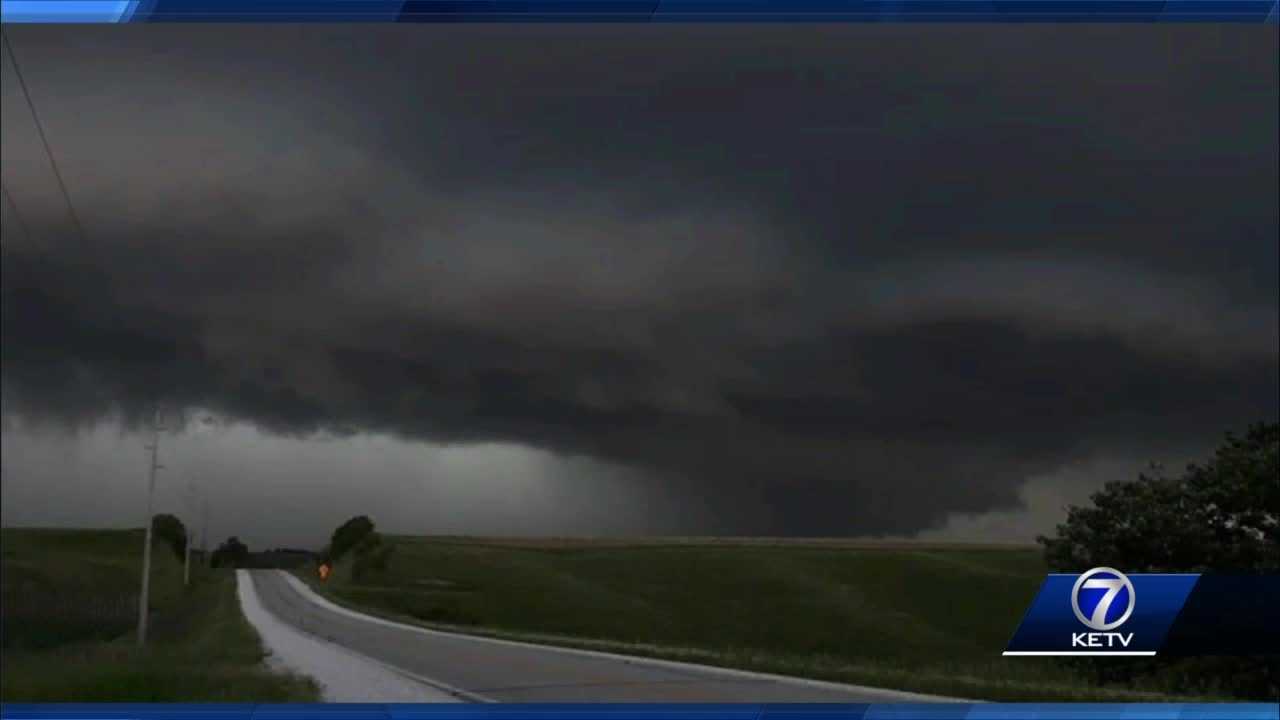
{"points": [[890, 602], [929, 617], [61, 586], [70, 611]]}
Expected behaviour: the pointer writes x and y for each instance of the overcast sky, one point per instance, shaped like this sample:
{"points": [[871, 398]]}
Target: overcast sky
{"points": [[792, 280]]}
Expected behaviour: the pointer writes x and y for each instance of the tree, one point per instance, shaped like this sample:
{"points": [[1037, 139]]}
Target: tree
{"points": [[347, 536], [372, 555], [1222, 516], [231, 553], [171, 530]]}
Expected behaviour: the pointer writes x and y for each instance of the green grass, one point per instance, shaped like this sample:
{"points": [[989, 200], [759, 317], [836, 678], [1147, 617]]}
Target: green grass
{"points": [[926, 618], [61, 586], [69, 617]]}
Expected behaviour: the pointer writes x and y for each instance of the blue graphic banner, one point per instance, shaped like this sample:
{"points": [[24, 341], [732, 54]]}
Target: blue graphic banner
{"points": [[1106, 612], [1101, 612], [124, 11], [579, 711]]}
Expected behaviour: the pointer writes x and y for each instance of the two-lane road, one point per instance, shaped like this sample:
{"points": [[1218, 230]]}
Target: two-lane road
{"points": [[485, 669]]}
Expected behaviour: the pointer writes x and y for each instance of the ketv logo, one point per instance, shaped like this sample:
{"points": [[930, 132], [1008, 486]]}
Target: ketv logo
{"points": [[1103, 599], [1101, 612]]}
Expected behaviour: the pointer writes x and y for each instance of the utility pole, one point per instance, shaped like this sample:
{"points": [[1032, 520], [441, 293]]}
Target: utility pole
{"points": [[186, 559], [204, 532], [188, 530], [144, 599]]}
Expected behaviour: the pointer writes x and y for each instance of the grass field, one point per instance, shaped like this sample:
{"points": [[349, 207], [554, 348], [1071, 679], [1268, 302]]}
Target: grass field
{"points": [[62, 586], [70, 611], [925, 617]]}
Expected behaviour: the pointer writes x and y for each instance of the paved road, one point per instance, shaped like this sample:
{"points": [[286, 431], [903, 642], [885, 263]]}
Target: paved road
{"points": [[483, 669]]}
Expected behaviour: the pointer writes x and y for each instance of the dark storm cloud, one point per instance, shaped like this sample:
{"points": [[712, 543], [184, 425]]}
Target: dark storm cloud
{"points": [[824, 280]]}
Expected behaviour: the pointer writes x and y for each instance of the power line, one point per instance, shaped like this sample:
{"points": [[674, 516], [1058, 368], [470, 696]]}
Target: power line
{"points": [[17, 214], [44, 139]]}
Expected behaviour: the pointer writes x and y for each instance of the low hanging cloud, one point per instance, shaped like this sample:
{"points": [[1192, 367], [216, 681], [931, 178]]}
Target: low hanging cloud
{"points": [[802, 280]]}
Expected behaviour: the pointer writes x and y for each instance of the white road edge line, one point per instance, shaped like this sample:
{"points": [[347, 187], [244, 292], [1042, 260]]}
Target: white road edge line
{"points": [[888, 694], [446, 688]]}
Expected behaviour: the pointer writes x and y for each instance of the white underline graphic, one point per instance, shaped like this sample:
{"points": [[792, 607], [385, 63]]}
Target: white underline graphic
{"points": [[1145, 653]]}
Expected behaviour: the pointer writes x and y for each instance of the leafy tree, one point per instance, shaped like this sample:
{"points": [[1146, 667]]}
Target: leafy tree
{"points": [[231, 553], [347, 537], [372, 555], [171, 530], [1222, 516]]}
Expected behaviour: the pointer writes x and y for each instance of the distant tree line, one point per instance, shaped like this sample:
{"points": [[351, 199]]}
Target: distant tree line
{"points": [[356, 540], [234, 553]]}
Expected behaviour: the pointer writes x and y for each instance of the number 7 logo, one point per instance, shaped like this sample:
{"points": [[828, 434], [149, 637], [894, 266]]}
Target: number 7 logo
{"points": [[1113, 581]]}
